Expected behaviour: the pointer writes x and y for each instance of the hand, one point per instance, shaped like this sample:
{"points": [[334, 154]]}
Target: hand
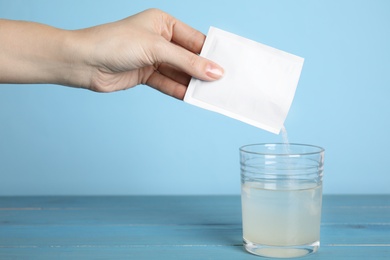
{"points": [[151, 48]]}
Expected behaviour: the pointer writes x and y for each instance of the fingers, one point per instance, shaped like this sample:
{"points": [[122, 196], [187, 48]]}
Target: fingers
{"points": [[189, 62], [174, 74], [175, 49], [166, 85], [180, 45], [174, 30], [187, 37]]}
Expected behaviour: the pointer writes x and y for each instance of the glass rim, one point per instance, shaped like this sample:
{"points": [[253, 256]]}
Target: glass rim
{"points": [[319, 149]]}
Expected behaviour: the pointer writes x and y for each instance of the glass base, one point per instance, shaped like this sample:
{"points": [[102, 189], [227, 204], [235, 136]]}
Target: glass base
{"points": [[281, 251]]}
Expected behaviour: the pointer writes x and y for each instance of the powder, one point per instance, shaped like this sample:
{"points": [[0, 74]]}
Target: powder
{"points": [[284, 135], [286, 148]]}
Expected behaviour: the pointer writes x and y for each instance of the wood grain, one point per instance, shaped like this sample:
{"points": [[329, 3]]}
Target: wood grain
{"points": [[174, 227]]}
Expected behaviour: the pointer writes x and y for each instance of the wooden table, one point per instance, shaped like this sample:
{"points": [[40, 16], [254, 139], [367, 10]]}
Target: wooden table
{"points": [[174, 227]]}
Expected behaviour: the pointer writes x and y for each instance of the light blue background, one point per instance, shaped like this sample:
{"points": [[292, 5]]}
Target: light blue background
{"points": [[58, 140]]}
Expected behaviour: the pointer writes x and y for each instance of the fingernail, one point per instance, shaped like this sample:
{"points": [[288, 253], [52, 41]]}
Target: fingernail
{"points": [[214, 71]]}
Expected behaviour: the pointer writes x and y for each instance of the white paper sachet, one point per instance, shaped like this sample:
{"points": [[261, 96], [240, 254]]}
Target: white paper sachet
{"points": [[258, 85]]}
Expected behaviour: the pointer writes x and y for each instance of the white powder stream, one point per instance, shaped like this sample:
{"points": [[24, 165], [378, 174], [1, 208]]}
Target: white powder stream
{"points": [[284, 135], [286, 148]]}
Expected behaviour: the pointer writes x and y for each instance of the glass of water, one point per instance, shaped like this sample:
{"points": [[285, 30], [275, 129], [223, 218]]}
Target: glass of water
{"points": [[281, 197]]}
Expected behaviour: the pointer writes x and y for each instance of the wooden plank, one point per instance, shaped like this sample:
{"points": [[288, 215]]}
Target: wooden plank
{"points": [[114, 202], [379, 200], [216, 235], [182, 252], [174, 227], [183, 215], [120, 210], [139, 202], [158, 210]]}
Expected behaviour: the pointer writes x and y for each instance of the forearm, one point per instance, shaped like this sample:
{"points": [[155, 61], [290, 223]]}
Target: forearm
{"points": [[37, 53]]}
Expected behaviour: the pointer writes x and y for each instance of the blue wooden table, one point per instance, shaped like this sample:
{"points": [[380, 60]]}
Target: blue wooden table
{"points": [[174, 227]]}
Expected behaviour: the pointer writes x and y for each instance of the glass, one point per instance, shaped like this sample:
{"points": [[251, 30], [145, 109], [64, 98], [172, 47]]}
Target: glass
{"points": [[281, 196]]}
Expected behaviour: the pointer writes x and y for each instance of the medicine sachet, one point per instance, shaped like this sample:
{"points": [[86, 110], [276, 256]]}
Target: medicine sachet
{"points": [[258, 85]]}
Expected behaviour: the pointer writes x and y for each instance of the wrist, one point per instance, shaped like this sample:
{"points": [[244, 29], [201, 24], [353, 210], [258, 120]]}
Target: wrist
{"points": [[74, 67]]}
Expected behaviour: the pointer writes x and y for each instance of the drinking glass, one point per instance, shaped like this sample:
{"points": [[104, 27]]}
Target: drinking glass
{"points": [[281, 197]]}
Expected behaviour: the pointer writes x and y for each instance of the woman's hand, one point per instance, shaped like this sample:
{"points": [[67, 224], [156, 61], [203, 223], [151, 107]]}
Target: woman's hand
{"points": [[151, 48]]}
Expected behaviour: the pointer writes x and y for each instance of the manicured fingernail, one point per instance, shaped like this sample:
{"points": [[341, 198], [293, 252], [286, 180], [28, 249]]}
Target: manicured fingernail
{"points": [[214, 72]]}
